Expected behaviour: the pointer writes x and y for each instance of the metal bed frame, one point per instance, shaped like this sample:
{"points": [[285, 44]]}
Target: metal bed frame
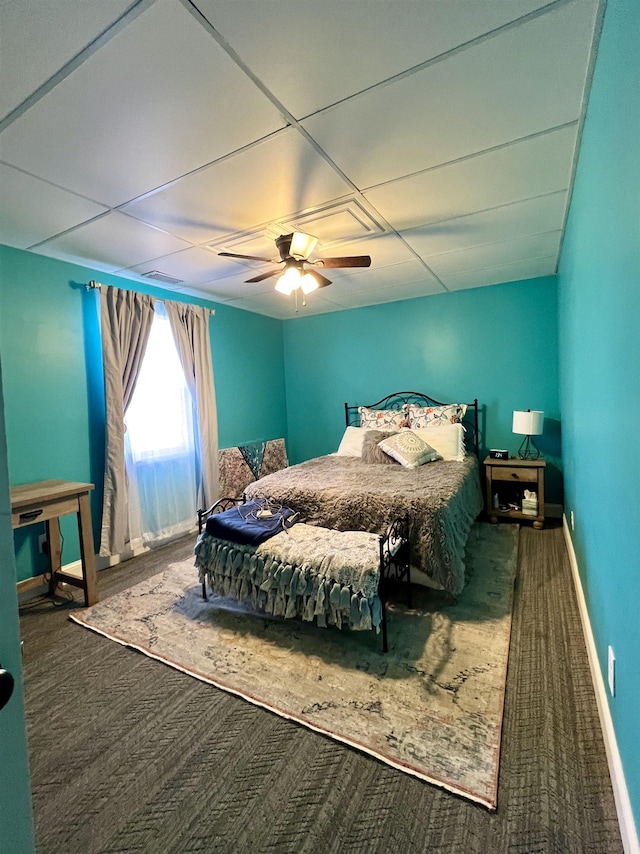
{"points": [[401, 398]]}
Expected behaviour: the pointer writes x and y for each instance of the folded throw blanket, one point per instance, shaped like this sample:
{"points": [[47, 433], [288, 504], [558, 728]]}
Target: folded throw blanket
{"points": [[243, 525]]}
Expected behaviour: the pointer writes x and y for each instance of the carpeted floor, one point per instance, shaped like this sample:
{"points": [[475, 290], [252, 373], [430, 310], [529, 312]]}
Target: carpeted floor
{"points": [[432, 706], [130, 755]]}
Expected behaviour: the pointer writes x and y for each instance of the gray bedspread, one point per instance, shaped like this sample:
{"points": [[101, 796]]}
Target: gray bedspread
{"points": [[441, 498]]}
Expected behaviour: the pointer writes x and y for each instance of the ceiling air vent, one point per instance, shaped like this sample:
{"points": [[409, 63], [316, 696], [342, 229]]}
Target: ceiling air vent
{"points": [[157, 276]]}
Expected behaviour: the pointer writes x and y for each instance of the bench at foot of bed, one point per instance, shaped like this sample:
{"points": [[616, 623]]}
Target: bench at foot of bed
{"points": [[309, 572]]}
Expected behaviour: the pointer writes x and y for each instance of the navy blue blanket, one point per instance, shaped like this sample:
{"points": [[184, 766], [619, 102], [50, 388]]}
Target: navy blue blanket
{"points": [[241, 524]]}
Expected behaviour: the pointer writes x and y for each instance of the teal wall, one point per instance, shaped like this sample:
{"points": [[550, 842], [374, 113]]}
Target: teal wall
{"points": [[15, 789], [599, 322], [248, 360], [54, 400], [498, 344]]}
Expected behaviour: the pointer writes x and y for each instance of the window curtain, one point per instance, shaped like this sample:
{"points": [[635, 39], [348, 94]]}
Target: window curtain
{"points": [[125, 319], [190, 327]]}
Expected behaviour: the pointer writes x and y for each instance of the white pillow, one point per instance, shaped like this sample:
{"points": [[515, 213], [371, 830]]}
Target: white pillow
{"points": [[447, 440], [408, 449], [351, 442]]}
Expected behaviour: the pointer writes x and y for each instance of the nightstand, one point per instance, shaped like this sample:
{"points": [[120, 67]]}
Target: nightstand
{"points": [[508, 479]]}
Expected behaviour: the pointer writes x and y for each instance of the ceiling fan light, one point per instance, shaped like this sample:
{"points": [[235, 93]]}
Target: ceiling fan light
{"points": [[288, 281], [308, 283], [302, 245], [283, 287]]}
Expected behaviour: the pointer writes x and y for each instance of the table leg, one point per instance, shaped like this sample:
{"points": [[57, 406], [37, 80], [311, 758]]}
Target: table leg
{"points": [[87, 554], [55, 551]]}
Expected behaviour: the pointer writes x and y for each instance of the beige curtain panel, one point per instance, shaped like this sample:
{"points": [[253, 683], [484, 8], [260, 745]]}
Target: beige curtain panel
{"points": [[126, 318], [190, 327]]}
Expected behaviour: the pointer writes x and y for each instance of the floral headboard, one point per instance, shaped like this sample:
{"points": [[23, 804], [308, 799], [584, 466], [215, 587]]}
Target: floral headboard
{"points": [[243, 464]]}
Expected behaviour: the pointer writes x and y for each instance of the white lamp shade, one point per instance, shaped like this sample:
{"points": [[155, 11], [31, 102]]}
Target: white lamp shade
{"points": [[529, 422], [288, 281], [302, 245], [308, 283]]}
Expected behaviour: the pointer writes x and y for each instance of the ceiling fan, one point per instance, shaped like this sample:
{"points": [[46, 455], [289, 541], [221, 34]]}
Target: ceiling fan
{"points": [[294, 250]]}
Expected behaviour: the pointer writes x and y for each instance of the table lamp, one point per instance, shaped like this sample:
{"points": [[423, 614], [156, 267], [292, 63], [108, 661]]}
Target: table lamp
{"points": [[528, 423]]}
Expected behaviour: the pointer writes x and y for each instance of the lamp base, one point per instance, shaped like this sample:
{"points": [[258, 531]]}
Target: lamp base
{"points": [[528, 449]]}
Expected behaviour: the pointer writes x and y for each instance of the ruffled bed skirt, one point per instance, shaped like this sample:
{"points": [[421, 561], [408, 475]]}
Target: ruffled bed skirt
{"points": [[328, 576]]}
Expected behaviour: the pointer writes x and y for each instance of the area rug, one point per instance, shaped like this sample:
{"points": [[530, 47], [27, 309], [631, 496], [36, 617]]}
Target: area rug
{"points": [[431, 707]]}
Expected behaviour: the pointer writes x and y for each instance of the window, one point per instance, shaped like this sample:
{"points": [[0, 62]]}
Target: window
{"points": [[159, 442]]}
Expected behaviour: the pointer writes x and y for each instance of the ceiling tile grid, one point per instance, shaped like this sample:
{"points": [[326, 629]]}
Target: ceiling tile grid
{"points": [[32, 210], [50, 35], [275, 178], [438, 138], [114, 240]]}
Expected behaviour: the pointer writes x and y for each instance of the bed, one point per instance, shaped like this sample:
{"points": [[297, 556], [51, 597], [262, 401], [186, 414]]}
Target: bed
{"points": [[355, 490]]}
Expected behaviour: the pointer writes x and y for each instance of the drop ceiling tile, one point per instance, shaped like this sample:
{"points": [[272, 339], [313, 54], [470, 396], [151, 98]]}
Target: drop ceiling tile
{"points": [[264, 308], [338, 48], [147, 107], [342, 220], [392, 293], [33, 210], [236, 287], [520, 82], [317, 303], [384, 249], [196, 292], [49, 34], [494, 254], [266, 182], [282, 307], [261, 244], [113, 241], [523, 170], [354, 281], [514, 272], [193, 266], [532, 216]]}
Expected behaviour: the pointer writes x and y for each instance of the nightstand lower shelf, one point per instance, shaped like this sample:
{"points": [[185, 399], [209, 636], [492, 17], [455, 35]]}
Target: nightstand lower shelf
{"points": [[506, 481]]}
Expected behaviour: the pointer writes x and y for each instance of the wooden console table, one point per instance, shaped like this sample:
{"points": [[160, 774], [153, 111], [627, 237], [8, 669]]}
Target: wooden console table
{"points": [[46, 501]]}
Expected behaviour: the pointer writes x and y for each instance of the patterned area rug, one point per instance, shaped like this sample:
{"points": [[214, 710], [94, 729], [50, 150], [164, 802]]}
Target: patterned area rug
{"points": [[431, 707]]}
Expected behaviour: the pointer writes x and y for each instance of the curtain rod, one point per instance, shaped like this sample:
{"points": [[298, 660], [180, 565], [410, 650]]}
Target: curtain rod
{"points": [[93, 285]]}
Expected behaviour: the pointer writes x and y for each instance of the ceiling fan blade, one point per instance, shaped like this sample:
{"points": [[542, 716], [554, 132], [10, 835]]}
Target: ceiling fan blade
{"points": [[348, 261], [262, 276], [320, 279], [248, 257]]}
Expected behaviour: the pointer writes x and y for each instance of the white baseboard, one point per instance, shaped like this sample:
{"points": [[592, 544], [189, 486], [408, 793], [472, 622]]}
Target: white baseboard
{"points": [[74, 568], [31, 588], [37, 586], [103, 562], [620, 791]]}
